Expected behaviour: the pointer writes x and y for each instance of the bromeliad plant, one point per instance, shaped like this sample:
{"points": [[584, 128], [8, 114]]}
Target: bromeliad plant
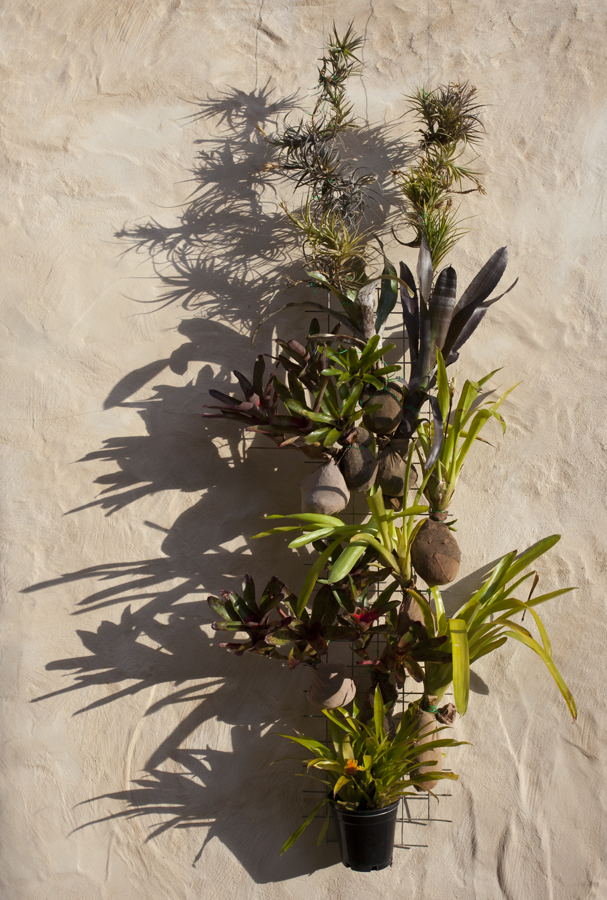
{"points": [[365, 768], [485, 622]]}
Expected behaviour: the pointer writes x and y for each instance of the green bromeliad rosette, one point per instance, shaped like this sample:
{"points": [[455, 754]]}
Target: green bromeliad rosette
{"points": [[362, 765]]}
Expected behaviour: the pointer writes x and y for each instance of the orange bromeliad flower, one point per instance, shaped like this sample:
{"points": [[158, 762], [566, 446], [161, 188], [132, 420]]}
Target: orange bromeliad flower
{"points": [[351, 767]]}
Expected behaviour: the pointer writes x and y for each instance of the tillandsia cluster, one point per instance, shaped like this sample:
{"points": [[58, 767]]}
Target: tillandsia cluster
{"points": [[397, 432]]}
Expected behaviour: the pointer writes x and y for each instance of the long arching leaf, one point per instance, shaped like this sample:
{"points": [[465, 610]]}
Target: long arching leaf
{"points": [[485, 281]]}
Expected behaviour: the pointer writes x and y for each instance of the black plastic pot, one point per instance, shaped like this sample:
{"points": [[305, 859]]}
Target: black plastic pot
{"points": [[366, 836]]}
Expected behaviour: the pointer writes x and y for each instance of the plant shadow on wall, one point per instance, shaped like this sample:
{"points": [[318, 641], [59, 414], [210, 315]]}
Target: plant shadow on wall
{"points": [[214, 263]]}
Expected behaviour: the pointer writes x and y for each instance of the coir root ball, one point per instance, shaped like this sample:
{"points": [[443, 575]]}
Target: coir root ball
{"points": [[359, 468], [434, 554], [388, 417]]}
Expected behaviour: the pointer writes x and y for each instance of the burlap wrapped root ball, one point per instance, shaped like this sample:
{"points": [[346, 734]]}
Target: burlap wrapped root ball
{"points": [[435, 554], [331, 686], [391, 472], [324, 490], [388, 416]]}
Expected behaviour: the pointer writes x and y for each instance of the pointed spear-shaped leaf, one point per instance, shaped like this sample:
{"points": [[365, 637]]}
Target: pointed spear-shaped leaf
{"points": [[442, 304], [476, 293], [408, 296], [260, 367], [485, 281], [424, 270], [476, 316], [247, 388]]}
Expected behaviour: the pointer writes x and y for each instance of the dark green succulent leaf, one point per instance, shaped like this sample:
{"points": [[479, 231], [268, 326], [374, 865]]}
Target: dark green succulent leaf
{"points": [[274, 593], [332, 436], [295, 386], [223, 608], [282, 390], [247, 388], [410, 309], [316, 437], [218, 395], [248, 594], [258, 372], [350, 403], [364, 359], [325, 606]]}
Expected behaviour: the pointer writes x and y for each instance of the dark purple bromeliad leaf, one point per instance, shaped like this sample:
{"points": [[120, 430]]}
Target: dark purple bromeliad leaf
{"points": [[442, 304]]}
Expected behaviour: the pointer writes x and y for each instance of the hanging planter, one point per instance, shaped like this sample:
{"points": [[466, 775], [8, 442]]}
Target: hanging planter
{"points": [[368, 771], [365, 836]]}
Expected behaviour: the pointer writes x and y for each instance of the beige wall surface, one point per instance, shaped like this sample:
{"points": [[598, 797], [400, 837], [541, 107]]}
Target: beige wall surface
{"points": [[140, 244]]}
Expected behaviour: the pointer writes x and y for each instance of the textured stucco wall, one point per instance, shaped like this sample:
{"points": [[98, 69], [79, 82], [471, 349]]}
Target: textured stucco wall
{"points": [[135, 752]]}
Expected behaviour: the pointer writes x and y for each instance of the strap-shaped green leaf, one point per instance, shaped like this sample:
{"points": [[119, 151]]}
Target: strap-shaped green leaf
{"points": [[298, 831], [461, 664]]}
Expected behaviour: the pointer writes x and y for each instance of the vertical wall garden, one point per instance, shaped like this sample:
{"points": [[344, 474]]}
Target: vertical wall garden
{"points": [[397, 431]]}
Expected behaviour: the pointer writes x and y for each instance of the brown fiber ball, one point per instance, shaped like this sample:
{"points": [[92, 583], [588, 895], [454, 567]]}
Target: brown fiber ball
{"points": [[387, 418], [359, 468], [435, 554]]}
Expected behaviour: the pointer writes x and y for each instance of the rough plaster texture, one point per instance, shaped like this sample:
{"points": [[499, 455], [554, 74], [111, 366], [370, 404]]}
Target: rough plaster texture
{"points": [[135, 752]]}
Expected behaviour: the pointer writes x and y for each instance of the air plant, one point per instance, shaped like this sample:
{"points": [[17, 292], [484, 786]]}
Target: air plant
{"points": [[307, 153], [450, 116]]}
